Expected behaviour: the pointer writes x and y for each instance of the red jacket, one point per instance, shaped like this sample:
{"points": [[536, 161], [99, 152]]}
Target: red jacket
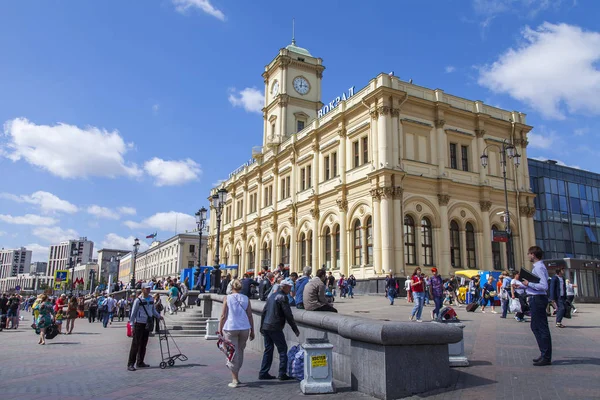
{"points": [[417, 284]]}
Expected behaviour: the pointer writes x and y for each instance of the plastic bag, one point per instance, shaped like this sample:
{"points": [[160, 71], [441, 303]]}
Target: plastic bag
{"points": [[226, 347], [515, 306]]}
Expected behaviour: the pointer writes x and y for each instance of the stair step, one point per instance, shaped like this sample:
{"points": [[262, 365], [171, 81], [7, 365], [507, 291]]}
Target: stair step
{"points": [[188, 333], [185, 326]]}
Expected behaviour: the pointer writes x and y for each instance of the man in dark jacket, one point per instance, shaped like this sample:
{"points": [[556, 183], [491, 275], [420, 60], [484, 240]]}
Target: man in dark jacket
{"points": [[276, 312], [558, 295], [265, 287], [247, 284]]}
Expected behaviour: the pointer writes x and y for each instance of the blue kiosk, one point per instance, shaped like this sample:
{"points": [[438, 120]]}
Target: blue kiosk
{"points": [[189, 273]]}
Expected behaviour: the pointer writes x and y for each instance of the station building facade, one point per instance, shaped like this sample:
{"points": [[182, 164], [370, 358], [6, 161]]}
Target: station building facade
{"points": [[381, 179]]}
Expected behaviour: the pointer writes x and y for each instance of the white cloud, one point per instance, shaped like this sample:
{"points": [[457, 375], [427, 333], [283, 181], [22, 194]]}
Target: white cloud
{"points": [[102, 212], [45, 200], [166, 221], [558, 162], [169, 173], [581, 131], [55, 234], [38, 252], [127, 210], [2, 233], [541, 141], [555, 67], [251, 99], [204, 5], [449, 69], [155, 108], [114, 241], [68, 151], [530, 8], [28, 219]]}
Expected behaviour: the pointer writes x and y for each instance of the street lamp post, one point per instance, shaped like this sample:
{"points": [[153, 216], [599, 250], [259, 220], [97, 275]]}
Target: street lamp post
{"points": [[507, 150], [72, 263], [92, 273], [218, 201], [136, 246], [201, 222]]}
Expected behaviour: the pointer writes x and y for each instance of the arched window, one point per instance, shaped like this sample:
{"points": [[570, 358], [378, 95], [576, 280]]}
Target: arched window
{"points": [[336, 233], [251, 258], [302, 250], [357, 243], [266, 258], [410, 257], [455, 245], [471, 256], [225, 259], [327, 246], [309, 247], [369, 234], [496, 258], [236, 258], [426, 241], [285, 255]]}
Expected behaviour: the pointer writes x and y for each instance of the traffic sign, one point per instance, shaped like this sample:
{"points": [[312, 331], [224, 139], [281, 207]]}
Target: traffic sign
{"points": [[60, 275], [18, 288]]}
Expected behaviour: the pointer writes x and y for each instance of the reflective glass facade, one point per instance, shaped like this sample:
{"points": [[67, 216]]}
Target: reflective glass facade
{"points": [[567, 217]]}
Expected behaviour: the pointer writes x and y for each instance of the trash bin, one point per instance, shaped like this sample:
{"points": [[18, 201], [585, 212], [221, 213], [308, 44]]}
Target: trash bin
{"points": [[212, 325], [318, 367], [456, 351]]}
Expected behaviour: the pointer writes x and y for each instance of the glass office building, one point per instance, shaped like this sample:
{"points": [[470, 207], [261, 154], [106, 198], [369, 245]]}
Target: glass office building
{"points": [[567, 220]]}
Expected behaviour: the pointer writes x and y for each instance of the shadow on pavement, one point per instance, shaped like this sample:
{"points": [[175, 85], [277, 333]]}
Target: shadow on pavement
{"points": [[578, 361], [461, 380], [85, 333], [61, 343], [580, 327], [479, 362], [259, 384]]}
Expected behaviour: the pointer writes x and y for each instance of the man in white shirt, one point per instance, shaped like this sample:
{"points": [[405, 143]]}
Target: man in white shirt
{"points": [[111, 305], [538, 301]]}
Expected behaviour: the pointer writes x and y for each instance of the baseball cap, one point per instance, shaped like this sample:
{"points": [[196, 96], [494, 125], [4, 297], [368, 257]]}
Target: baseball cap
{"points": [[147, 285], [286, 283]]}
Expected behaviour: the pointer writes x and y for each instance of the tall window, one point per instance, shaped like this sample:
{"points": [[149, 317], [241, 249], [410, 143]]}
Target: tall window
{"points": [[336, 233], [226, 258], [285, 187], [410, 257], [309, 246], [455, 245], [302, 250], [426, 242], [326, 165], [236, 258], [356, 153], [328, 248], [471, 256], [464, 157], [334, 168], [285, 251], [251, 258], [357, 235], [369, 234], [302, 178], [365, 149], [266, 253], [308, 176], [192, 249], [453, 160], [299, 125], [497, 259]]}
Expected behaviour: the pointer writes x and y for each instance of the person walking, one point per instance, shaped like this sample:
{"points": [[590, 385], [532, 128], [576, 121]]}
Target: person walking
{"points": [[488, 295], [418, 290], [390, 288], [236, 325], [93, 309], [437, 292], [111, 305], [351, 284], [504, 291], [571, 294], [538, 300], [13, 312], [276, 313], [141, 313], [518, 292], [71, 315], [558, 295], [172, 299], [408, 288], [45, 317], [159, 308]]}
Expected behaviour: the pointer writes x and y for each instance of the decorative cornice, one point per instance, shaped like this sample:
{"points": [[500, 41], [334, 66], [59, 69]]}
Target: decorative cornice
{"points": [[439, 123], [531, 212], [342, 205], [485, 205], [373, 113], [479, 133], [320, 74], [375, 194], [387, 192], [443, 199], [342, 132]]}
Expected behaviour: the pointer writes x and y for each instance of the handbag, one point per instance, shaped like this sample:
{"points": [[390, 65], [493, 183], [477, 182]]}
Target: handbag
{"points": [[493, 293], [149, 319], [515, 305]]}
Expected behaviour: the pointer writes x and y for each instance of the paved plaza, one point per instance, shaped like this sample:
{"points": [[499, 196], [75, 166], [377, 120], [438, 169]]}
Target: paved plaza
{"points": [[91, 363]]}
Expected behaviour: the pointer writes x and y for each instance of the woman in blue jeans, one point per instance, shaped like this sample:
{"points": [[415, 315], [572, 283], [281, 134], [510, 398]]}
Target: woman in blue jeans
{"points": [[437, 292], [418, 289]]}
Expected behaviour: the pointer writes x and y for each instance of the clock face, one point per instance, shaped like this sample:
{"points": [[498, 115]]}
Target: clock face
{"points": [[301, 85], [275, 88]]}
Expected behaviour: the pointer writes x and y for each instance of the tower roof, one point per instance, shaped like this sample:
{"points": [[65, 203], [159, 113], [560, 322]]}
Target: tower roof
{"points": [[296, 49]]}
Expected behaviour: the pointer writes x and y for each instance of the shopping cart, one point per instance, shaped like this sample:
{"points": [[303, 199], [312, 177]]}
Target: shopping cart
{"points": [[164, 337]]}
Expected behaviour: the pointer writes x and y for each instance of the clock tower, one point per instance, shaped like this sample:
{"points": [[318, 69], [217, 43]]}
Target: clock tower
{"points": [[292, 93]]}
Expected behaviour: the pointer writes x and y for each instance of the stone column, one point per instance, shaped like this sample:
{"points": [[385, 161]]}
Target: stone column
{"points": [[344, 264], [488, 260], [383, 144], [377, 230], [257, 252], [243, 267], [387, 229], [531, 229], [396, 143], [463, 248], [398, 232], [524, 234], [374, 136], [444, 262], [293, 242], [274, 246], [441, 146], [315, 238]]}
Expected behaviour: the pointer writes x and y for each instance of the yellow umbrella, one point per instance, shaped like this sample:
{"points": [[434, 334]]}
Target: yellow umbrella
{"points": [[468, 273]]}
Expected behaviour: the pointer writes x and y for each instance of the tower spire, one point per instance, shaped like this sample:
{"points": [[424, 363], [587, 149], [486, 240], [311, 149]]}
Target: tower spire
{"points": [[293, 31]]}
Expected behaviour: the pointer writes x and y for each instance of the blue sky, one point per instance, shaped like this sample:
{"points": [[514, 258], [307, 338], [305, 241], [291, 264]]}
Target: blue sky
{"points": [[119, 116]]}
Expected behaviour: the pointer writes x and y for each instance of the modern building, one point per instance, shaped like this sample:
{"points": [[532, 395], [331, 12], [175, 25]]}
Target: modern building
{"points": [[109, 260], [383, 178], [68, 254], [567, 221], [38, 267], [25, 282], [14, 262], [166, 258]]}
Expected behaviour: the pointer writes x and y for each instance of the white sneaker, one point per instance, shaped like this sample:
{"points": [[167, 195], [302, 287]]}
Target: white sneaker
{"points": [[419, 320], [574, 311], [494, 312], [483, 311], [412, 317]]}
